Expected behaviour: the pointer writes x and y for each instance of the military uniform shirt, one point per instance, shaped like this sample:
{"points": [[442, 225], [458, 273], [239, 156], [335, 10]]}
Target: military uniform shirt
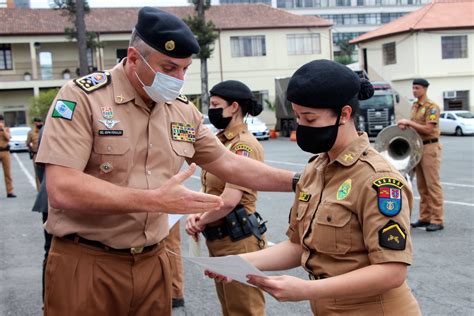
{"points": [[240, 141], [336, 218], [3, 138], [424, 112], [111, 134]]}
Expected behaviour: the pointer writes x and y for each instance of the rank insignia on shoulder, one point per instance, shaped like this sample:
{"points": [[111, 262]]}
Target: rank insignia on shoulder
{"points": [[392, 236], [64, 109], [242, 150], [344, 190], [93, 81], [183, 132], [389, 195], [183, 99], [304, 197]]}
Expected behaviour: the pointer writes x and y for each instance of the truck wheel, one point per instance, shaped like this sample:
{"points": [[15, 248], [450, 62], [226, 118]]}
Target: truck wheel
{"points": [[458, 131]]}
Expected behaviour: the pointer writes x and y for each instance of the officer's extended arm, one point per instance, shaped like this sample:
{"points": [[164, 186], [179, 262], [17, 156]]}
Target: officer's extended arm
{"points": [[250, 173]]}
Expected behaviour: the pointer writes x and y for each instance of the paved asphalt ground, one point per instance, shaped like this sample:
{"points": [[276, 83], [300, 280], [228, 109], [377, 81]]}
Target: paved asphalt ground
{"points": [[441, 275]]}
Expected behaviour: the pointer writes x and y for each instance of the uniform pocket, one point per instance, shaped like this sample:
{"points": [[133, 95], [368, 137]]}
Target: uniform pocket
{"points": [[183, 149], [332, 229], [113, 158]]}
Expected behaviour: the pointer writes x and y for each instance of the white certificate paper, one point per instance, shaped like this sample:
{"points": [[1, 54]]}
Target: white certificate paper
{"points": [[234, 267]]}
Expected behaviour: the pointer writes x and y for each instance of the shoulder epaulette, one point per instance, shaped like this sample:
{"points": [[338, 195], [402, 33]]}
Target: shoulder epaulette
{"points": [[183, 99], [93, 81]]}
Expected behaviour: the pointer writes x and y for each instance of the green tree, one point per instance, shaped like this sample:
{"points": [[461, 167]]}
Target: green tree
{"points": [[38, 106], [76, 11], [206, 35], [345, 52]]}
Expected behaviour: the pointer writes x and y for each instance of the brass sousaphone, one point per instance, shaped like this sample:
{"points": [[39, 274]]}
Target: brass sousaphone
{"points": [[402, 148]]}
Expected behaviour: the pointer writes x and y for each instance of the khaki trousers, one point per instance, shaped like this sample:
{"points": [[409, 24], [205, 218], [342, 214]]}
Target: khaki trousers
{"points": [[83, 280], [173, 243], [429, 185], [236, 298], [7, 172], [395, 302]]}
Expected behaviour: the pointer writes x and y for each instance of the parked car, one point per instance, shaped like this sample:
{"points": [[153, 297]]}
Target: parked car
{"points": [[456, 122], [18, 138], [258, 128]]}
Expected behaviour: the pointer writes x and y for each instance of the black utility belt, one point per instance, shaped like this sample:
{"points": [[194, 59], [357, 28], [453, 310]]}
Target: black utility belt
{"points": [[5, 148], [237, 225], [97, 244], [430, 141]]}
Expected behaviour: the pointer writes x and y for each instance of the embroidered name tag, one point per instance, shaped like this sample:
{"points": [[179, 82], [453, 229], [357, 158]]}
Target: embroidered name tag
{"points": [[107, 132], [183, 132]]}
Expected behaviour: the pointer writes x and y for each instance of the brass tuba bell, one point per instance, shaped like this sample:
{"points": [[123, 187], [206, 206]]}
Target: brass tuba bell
{"points": [[402, 148]]}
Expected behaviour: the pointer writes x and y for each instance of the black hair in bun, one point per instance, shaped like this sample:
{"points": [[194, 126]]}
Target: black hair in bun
{"points": [[254, 108], [366, 90]]}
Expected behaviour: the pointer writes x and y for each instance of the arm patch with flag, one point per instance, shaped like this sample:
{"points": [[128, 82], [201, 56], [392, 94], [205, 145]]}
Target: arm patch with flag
{"points": [[64, 109], [389, 195], [242, 150]]}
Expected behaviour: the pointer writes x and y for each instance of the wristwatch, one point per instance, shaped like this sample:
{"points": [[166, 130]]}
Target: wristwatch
{"points": [[295, 180]]}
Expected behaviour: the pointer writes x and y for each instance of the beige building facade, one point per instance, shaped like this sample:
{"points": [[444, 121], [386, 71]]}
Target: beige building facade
{"points": [[30, 63]]}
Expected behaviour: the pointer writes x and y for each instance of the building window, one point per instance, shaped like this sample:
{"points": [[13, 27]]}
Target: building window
{"points": [[303, 44], [454, 46], [5, 57], [456, 100], [389, 53], [245, 46], [46, 65], [120, 54]]}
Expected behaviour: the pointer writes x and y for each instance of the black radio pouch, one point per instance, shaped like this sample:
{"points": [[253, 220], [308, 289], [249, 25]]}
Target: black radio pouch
{"points": [[238, 224]]}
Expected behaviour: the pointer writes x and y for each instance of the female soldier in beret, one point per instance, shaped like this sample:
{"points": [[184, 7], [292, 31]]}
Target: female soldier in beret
{"points": [[349, 224], [228, 231]]}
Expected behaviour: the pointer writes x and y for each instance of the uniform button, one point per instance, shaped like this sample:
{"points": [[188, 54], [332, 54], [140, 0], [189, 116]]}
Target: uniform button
{"points": [[148, 172], [109, 148], [329, 218], [185, 151], [151, 145]]}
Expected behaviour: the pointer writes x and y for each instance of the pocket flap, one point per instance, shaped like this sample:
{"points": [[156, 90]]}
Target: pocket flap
{"points": [[331, 214], [111, 145], [184, 149]]}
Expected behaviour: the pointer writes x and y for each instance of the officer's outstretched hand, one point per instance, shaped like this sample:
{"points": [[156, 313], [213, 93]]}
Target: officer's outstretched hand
{"points": [[172, 197], [282, 288]]}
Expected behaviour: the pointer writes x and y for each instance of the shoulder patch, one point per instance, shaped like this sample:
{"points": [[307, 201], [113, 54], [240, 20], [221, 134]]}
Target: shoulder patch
{"points": [[183, 99], [94, 81], [64, 109], [304, 197], [242, 150], [389, 195], [392, 236]]}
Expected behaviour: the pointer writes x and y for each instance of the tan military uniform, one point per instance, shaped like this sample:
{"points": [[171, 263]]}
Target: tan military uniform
{"points": [[32, 143], [236, 298], [351, 213], [427, 170], [111, 134], [6, 161], [173, 243]]}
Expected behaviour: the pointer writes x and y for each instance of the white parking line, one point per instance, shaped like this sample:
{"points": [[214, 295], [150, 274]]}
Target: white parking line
{"points": [[452, 202], [31, 179]]}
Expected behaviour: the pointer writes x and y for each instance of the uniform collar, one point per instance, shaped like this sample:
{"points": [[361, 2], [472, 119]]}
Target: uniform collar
{"points": [[230, 133], [123, 89], [352, 153], [422, 101]]}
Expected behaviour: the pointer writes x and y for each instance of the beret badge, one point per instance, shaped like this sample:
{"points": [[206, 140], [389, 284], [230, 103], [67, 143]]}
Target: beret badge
{"points": [[169, 45]]}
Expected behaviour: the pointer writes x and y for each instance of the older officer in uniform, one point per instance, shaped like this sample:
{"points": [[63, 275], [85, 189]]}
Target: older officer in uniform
{"points": [[32, 143], [229, 231], [425, 120], [114, 143], [350, 218], [5, 157]]}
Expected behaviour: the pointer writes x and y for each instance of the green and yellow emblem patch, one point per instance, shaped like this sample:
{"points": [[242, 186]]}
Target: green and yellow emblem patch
{"points": [[344, 190]]}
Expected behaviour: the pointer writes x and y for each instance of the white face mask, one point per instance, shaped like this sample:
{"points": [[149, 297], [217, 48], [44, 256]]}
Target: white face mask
{"points": [[164, 88]]}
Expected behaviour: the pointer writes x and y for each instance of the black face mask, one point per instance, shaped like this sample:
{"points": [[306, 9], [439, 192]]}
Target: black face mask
{"points": [[38, 126], [317, 140], [216, 118]]}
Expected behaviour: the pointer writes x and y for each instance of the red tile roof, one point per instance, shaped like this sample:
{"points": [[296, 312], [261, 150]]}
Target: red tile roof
{"points": [[21, 21], [439, 15]]}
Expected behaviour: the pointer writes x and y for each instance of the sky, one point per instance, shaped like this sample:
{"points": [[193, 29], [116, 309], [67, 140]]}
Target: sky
{"points": [[118, 3]]}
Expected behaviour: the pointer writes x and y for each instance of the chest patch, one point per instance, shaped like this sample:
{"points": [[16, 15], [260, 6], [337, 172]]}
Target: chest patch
{"points": [[183, 132], [93, 81], [392, 236], [344, 190], [389, 195]]}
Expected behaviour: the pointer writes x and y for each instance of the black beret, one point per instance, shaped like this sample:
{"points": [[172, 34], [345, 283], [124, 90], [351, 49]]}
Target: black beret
{"points": [[166, 33], [232, 89], [38, 120], [421, 82], [323, 84], [1, 117]]}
